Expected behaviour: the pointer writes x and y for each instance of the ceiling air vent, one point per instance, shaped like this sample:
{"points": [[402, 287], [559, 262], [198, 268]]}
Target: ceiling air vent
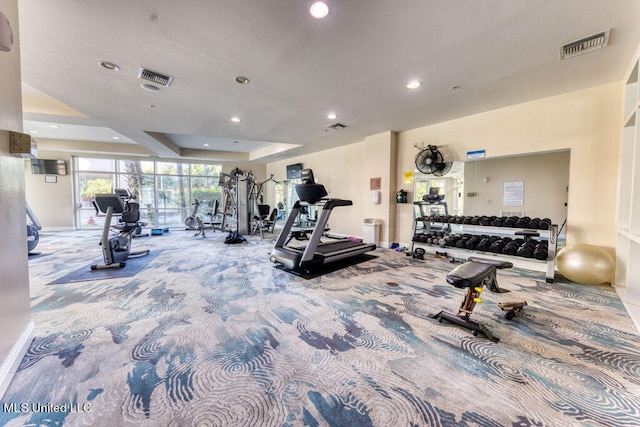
{"points": [[336, 126], [585, 45], [154, 77]]}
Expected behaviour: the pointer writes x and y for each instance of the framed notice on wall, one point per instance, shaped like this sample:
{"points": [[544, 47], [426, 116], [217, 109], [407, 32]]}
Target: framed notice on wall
{"points": [[513, 193], [375, 183]]}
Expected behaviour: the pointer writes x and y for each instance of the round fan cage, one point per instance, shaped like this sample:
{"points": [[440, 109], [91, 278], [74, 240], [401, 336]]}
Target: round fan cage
{"points": [[430, 161]]}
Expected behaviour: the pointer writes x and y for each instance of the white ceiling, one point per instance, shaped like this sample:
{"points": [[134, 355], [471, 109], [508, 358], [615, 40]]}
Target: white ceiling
{"points": [[355, 62]]}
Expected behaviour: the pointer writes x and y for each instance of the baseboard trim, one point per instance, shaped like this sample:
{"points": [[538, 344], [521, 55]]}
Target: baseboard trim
{"points": [[632, 309], [11, 363]]}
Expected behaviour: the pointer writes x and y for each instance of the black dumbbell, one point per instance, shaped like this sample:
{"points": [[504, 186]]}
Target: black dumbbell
{"points": [[541, 252], [497, 246], [526, 250], [534, 223], [523, 222], [471, 242], [510, 248], [483, 245], [545, 224]]}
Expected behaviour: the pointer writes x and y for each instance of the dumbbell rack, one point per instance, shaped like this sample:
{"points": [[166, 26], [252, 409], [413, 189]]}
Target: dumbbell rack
{"points": [[548, 266]]}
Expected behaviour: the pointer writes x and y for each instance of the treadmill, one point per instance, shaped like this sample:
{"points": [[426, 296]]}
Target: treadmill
{"points": [[316, 253]]}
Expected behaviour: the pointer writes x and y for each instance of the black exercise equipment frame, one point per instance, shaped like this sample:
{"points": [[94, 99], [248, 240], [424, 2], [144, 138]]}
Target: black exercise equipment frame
{"points": [[116, 250]]}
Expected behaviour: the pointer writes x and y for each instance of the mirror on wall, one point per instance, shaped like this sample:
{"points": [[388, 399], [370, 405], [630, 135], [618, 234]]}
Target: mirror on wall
{"points": [[447, 190], [533, 185]]}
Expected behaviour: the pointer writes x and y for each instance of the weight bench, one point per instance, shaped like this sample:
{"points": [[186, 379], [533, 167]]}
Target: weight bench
{"points": [[473, 275]]}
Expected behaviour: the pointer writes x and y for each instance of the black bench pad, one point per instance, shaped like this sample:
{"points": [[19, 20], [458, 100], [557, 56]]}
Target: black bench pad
{"points": [[470, 274], [496, 262]]}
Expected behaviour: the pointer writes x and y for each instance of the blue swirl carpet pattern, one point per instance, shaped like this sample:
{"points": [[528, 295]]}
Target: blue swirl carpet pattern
{"points": [[210, 334]]}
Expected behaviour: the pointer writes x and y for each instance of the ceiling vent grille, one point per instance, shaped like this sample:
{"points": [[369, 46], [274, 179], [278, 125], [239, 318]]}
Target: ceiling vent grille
{"points": [[587, 44], [336, 126], [154, 77]]}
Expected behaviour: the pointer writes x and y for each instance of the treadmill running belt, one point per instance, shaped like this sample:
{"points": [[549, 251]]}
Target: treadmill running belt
{"points": [[327, 248]]}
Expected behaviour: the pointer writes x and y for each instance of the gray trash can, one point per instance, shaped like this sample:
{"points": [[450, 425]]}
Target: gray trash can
{"points": [[371, 231]]}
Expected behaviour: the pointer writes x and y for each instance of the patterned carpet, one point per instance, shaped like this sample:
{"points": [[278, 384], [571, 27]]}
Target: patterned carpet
{"points": [[210, 334]]}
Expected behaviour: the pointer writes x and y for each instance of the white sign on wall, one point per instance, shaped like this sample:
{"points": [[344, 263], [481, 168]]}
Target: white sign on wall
{"points": [[513, 193], [477, 154]]}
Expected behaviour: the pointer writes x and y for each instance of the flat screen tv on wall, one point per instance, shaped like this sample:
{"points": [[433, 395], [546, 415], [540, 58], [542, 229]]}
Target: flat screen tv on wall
{"points": [[293, 171], [48, 167]]}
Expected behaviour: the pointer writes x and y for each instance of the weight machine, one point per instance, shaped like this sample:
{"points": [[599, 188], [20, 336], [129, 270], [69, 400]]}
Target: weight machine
{"points": [[229, 205], [262, 217], [241, 210]]}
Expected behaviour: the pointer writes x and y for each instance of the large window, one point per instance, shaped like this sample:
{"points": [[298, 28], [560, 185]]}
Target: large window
{"points": [[164, 190]]}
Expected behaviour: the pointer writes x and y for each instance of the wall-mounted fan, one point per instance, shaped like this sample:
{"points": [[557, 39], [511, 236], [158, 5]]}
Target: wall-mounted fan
{"points": [[430, 160]]}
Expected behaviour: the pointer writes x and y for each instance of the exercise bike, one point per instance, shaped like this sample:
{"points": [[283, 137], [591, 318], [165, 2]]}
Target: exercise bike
{"points": [[116, 250], [32, 231], [127, 198]]}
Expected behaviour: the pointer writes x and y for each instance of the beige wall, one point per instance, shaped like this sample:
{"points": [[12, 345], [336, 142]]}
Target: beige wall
{"points": [[52, 203], [586, 122], [15, 322], [583, 123]]}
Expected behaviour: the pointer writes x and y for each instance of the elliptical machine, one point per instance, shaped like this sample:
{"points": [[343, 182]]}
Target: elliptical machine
{"points": [[191, 221], [116, 250]]}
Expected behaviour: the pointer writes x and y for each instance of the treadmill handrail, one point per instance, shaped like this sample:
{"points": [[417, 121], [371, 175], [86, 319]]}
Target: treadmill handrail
{"points": [[334, 203], [326, 203]]}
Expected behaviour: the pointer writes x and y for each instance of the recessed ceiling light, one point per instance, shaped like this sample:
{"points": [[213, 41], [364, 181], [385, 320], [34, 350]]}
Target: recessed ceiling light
{"points": [[206, 145], [235, 119], [115, 137], [414, 84], [331, 116], [54, 126], [109, 66], [242, 80], [319, 10], [150, 88], [35, 132]]}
